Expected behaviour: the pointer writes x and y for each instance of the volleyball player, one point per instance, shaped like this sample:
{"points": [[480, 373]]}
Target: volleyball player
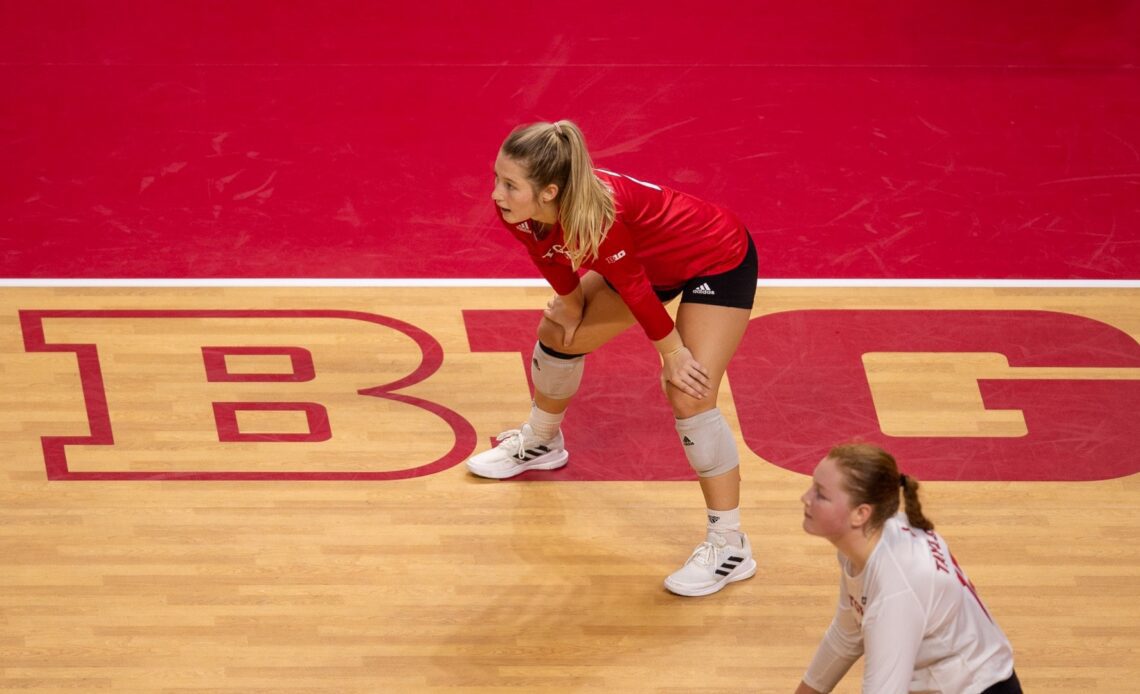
{"points": [[615, 249], [904, 603]]}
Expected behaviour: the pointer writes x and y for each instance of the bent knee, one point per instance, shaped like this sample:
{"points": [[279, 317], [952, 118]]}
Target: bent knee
{"points": [[550, 333], [708, 444], [685, 406]]}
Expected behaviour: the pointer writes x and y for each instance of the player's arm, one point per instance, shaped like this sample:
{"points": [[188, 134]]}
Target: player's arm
{"points": [[561, 278], [893, 634], [840, 647], [569, 304], [680, 367], [836, 653], [619, 265]]}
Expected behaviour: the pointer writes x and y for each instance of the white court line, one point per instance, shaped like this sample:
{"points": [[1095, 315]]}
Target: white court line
{"points": [[472, 282]]}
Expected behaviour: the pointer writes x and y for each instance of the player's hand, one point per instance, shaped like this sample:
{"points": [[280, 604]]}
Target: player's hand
{"points": [[685, 373], [565, 314]]}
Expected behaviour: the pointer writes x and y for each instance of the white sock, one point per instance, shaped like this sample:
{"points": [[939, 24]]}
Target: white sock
{"points": [[544, 424], [723, 521]]}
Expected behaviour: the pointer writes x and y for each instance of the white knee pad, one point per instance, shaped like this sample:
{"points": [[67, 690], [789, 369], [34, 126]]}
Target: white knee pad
{"points": [[708, 443], [553, 377]]}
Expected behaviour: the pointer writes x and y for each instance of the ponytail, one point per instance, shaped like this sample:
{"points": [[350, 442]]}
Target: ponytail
{"points": [[556, 153], [912, 505], [587, 206]]}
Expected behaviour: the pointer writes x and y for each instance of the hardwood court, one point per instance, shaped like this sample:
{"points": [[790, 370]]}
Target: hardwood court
{"points": [[446, 583], [244, 490]]}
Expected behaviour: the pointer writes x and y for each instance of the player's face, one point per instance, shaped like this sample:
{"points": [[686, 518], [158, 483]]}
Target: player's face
{"points": [[827, 506], [514, 195]]}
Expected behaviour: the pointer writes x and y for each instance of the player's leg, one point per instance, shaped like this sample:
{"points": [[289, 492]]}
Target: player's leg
{"points": [[556, 372], [605, 317], [712, 334], [712, 319]]}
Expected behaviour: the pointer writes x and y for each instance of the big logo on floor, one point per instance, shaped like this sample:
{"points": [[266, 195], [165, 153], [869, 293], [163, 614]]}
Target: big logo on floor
{"points": [[965, 395]]}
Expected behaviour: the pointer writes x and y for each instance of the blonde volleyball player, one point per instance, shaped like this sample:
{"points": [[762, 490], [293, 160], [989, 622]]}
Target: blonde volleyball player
{"points": [[904, 603], [640, 245]]}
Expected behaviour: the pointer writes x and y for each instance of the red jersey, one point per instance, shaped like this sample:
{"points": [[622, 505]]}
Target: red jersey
{"points": [[660, 239]]}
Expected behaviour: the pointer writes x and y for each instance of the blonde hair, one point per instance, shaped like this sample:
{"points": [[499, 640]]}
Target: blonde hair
{"points": [[871, 476], [556, 153]]}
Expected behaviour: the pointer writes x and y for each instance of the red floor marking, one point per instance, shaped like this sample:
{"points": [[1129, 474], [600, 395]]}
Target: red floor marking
{"points": [[798, 383], [101, 425], [800, 387]]}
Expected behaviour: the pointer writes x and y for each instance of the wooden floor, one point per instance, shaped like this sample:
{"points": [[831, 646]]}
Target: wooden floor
{"points": [[447, 583]]}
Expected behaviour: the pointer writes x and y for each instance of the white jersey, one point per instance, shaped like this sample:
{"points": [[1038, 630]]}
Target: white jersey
{"points": [[916, 617]]}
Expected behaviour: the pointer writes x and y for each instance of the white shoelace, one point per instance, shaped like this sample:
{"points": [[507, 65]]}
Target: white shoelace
{"points": [[705, 553], [512, 437]]}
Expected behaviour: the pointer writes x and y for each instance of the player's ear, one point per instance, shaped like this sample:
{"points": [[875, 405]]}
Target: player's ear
{"points": [[549, 193], [861, 515]]}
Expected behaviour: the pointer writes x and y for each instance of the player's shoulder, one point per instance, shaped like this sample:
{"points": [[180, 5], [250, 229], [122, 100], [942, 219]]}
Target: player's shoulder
{"points": [[625, 183], [921, 555], [899, 553], [607, 176]]}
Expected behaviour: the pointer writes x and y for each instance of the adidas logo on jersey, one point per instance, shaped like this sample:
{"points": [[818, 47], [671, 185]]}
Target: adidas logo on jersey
{"points": [[704, 289]]}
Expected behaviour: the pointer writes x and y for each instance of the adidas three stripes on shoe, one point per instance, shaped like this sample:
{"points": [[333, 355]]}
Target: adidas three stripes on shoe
{"points": [[721, 559], [519, 451]]}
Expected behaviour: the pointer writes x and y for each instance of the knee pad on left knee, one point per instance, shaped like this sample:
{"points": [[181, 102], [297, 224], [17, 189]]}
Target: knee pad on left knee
{"points": [[556, 375], [708, 443]]}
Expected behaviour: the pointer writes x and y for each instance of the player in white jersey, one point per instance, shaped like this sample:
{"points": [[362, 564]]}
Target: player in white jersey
{"points": [[904, 603]]}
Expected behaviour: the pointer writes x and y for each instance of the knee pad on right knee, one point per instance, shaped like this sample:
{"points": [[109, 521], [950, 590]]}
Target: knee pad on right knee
{"points": [[708, 443], [554, 374]]}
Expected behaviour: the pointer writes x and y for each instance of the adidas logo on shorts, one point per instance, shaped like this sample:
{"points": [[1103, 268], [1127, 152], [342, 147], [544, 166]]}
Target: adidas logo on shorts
{"points": [[685, 440], [704, 288]]}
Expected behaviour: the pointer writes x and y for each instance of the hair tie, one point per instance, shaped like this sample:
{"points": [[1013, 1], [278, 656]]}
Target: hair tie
{"points": [[557, 129], [902, 481]]}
